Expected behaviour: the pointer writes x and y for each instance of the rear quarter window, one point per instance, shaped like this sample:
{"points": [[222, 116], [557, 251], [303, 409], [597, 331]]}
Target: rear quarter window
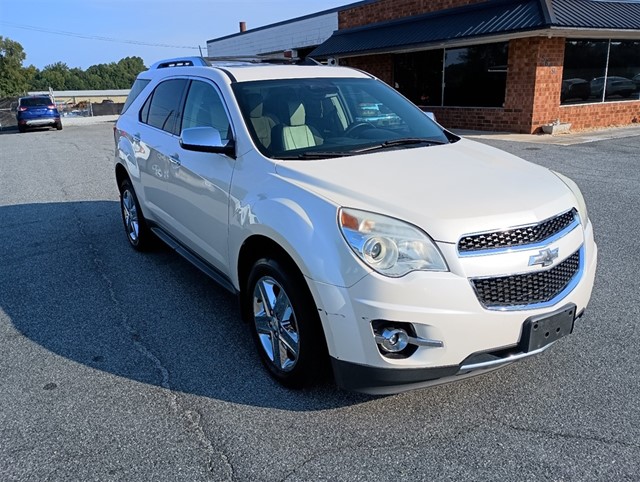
{"points": [[137, 87]]}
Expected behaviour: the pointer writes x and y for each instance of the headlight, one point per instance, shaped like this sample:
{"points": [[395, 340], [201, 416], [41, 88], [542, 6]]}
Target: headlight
{"points": [[389, 246], [582, 206]]}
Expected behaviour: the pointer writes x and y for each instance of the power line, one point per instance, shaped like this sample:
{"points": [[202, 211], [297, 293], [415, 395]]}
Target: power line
{"points": [[94, 37]]}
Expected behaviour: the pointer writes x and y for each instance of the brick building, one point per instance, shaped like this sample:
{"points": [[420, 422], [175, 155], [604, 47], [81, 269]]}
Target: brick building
{"points": [[509, 65]]}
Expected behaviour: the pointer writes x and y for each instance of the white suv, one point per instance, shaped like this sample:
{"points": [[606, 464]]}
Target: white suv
{"points": [[394, 253]]}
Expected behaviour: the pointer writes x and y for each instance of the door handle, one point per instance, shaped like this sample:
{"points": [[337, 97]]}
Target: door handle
{"points": [[175, 161]]}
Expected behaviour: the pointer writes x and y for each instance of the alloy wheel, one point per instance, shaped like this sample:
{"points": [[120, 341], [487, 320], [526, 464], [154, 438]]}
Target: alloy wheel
{"points": [[276, 323]]}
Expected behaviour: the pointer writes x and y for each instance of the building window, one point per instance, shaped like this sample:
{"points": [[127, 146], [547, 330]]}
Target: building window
{"points": [[600, 71], [473, 76], [418, 76], [476, 76]]}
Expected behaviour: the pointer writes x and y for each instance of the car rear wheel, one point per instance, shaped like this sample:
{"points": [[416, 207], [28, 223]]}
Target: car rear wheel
{"points": [[22, 129], [285, 324], [135, 226], [59, 126]]}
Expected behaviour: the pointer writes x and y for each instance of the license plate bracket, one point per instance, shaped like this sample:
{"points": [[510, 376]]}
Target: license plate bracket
{"points": [[541, 330]]}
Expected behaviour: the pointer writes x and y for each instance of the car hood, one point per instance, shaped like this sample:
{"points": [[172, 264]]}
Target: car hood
{"points": [[449, 190]]}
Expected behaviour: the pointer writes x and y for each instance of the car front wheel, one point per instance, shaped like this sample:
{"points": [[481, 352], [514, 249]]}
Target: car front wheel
{"points": [[285, 324]]}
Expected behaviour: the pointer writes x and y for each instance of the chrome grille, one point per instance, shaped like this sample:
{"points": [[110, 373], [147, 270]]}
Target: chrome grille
{"points": [[526, 289], [520, 236]]}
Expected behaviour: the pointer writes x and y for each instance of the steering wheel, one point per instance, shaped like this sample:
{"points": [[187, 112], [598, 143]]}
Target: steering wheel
{"points": [[357, 127]]}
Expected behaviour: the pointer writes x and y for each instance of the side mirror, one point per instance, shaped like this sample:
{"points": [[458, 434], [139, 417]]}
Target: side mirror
{"points": [[206, 139]]}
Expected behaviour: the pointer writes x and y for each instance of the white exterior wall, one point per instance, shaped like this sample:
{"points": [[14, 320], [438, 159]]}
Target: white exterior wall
{"points": [[292, 35]]}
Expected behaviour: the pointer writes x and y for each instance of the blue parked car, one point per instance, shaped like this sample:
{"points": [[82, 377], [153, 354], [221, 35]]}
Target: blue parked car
{"points": [[37, 111]]}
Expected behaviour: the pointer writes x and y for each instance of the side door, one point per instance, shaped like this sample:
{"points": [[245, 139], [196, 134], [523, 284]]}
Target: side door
{"points": [[155, 141], [201, 180]]}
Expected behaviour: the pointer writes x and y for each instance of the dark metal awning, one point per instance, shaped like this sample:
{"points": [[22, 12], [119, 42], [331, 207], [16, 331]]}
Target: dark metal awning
{"points": [[597, 14], [490, 18], [494, 18]]}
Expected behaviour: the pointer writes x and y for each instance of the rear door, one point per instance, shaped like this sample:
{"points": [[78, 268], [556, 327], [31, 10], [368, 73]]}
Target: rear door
{"points": [[156, 145]]}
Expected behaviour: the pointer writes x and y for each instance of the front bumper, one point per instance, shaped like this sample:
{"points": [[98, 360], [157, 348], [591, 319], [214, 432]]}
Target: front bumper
{"points": [[386, 381], [441, 307]]}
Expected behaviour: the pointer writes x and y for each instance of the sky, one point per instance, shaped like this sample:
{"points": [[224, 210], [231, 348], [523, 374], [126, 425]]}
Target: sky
{"points": [[82, 33]]}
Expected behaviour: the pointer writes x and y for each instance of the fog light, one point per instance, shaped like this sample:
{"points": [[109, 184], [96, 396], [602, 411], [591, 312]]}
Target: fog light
{"points": [[393, 340]]}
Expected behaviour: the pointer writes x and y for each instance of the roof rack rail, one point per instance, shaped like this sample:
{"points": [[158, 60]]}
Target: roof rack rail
{"points": [[180, 62], [243, 59], [255, 59]]}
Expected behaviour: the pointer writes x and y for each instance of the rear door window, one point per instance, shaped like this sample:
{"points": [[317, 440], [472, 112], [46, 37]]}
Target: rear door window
{"points": [[162, 108]]}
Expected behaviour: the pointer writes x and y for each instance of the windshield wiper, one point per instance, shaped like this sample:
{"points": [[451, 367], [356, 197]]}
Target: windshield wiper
{"points": [[405, 141], [317, 155]]}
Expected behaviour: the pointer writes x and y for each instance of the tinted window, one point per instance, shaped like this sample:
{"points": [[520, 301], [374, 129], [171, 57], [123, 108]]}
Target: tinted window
{"points": [[476, 76], [623, 75], [137, 87], [35, 101], [473, 76], [419, 76], [162, 109], [204, 108], [589, 77], [585, 62]]}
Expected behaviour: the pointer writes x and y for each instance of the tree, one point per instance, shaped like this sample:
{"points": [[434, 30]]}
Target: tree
{"points": [[17, 80], [14, 79], [54, 76]]}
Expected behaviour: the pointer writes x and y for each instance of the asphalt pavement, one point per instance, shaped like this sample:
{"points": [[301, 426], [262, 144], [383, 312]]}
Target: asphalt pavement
{"points": [[116, 365]]}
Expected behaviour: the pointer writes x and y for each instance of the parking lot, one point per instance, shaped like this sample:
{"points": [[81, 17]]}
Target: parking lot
{"points": [[116, 365]]}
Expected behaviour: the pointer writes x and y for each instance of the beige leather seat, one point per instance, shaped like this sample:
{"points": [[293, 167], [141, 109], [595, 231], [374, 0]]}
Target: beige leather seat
{"points": [[261, 124], [295, 134]]}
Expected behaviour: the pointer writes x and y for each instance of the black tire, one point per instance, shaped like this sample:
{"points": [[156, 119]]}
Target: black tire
{"points": [[295, 333], [22, 129], [138, 233], [59, 126]]}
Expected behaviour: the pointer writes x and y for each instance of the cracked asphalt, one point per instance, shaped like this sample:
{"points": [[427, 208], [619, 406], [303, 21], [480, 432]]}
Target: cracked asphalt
{"points": [[120, 366]]}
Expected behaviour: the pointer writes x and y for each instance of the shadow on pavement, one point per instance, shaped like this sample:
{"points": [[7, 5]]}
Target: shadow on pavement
{"points": [[70, 283]]}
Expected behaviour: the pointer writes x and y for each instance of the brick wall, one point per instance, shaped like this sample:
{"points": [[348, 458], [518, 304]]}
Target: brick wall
{"points": [[392, 9], [547, 108], [379, 65], [589, 116], [548, 81]]}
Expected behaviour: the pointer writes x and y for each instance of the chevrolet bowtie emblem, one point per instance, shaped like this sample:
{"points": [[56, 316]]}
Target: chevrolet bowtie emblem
{"points": [[544, 258]]}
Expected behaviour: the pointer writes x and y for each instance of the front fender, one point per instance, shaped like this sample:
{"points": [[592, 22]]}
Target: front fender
{"points": [[309, 234]]}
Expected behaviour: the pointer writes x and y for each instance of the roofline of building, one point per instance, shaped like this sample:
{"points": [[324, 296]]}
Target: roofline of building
{"points": [[549, 32], [428, 15], [293, 20], [547, 11]]}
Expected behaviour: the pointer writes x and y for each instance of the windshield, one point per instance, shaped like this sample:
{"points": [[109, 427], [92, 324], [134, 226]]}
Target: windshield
{"points": [[322, 118]]}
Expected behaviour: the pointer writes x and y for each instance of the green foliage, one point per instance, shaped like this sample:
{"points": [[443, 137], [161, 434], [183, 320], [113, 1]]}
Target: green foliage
{"points": [[16, 79], [115, 75]]}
